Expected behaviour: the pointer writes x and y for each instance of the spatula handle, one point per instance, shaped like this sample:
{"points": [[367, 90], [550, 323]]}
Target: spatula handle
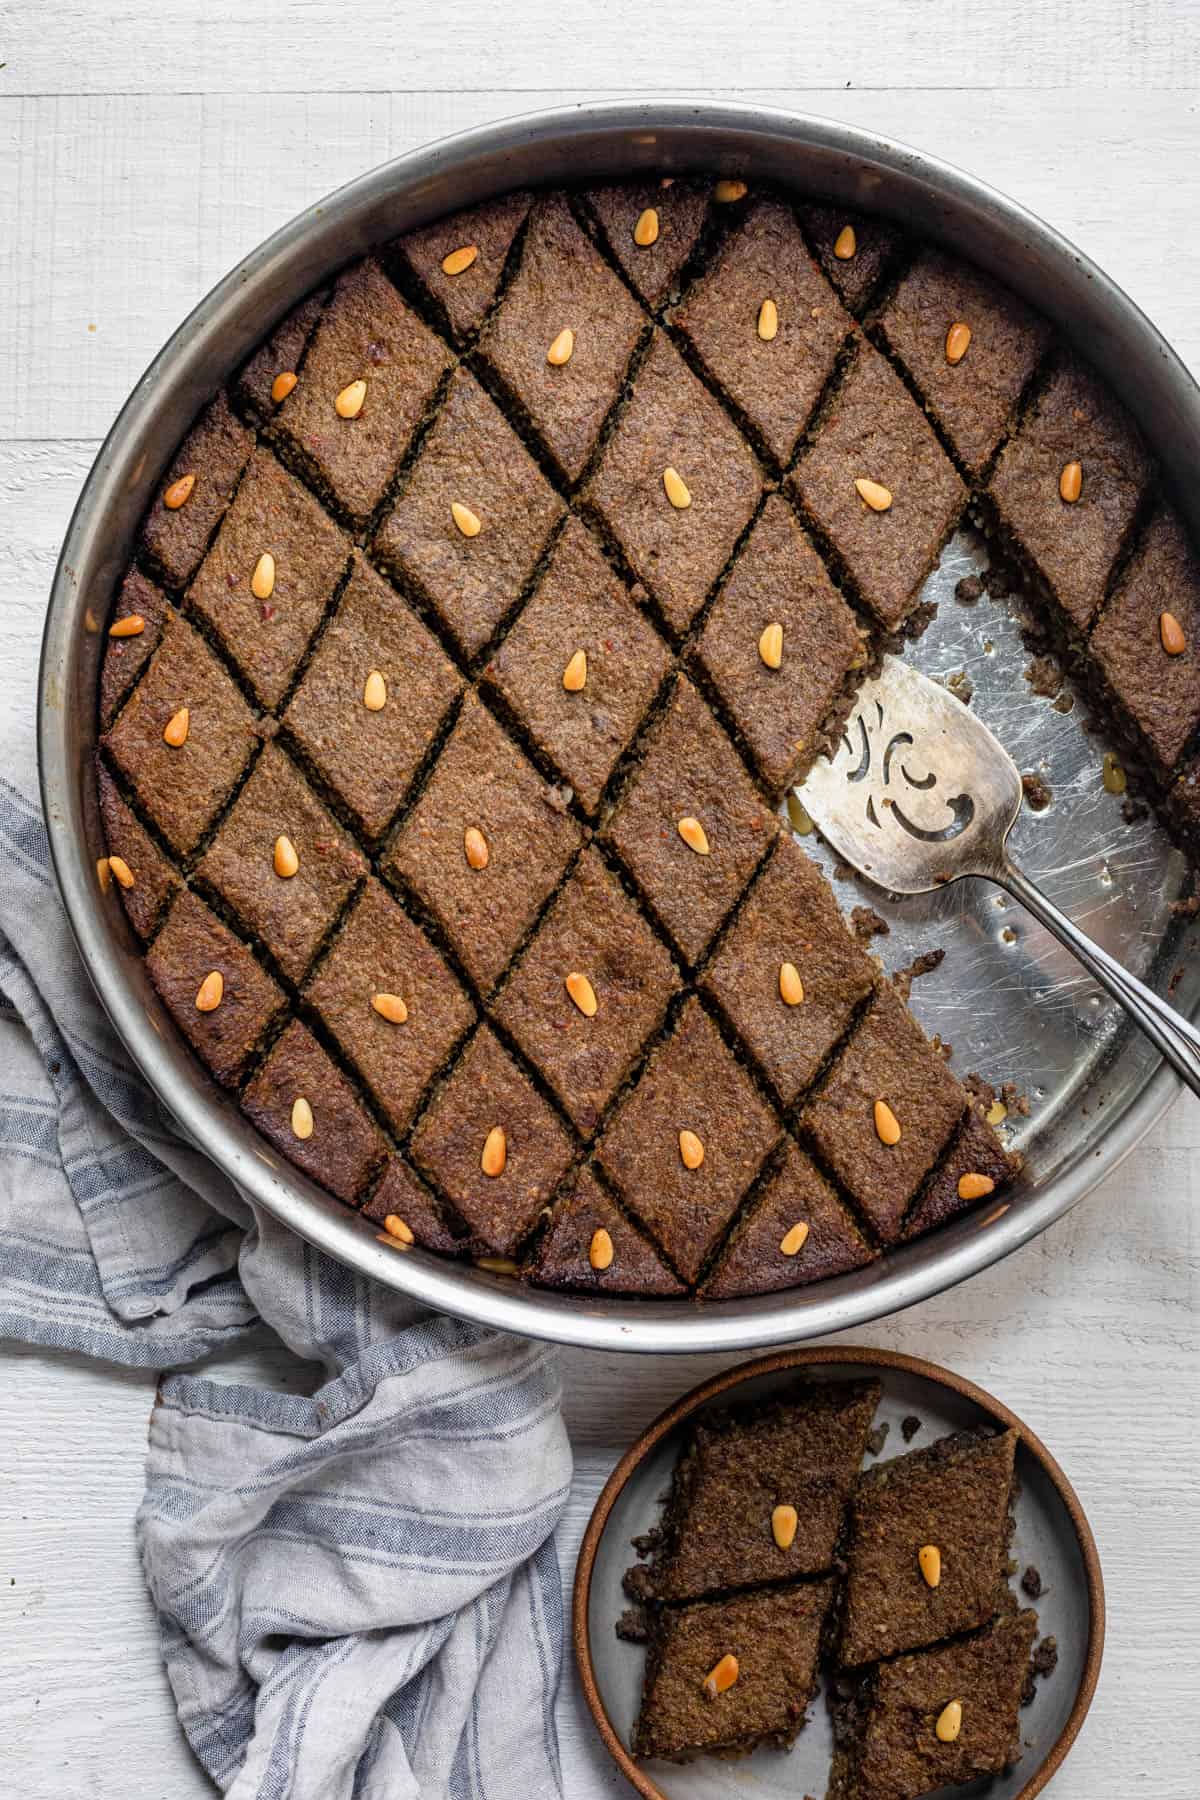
{"points": [[1178, 1041]]}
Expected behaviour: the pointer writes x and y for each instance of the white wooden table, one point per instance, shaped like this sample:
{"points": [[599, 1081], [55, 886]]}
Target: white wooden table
{"points": [[140, 156]]}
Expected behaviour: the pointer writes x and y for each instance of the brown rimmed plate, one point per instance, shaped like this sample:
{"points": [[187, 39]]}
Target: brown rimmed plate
{"points": [[1052, 1534]]}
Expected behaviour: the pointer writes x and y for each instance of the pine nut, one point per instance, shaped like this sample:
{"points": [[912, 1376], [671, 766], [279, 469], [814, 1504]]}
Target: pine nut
{"points": [[929, 1560], [887, 1125], [1113, 775], [691, 1150], [497, 1265], [1171, 633], [645, 232], [582, 993], [467, 521], [949, 1722], [784, 1520], [175, 731], [877, 497], [562, 349], [179, 493], [793, 1241], [600, 1250], [770, 645], [958, 340], [390, 1007], [132, 625], [791, 988], [495, 1152], [302, 1118], [768, 321], [121, 872], [846, 244], [975, 1187], [104, 874], [375, 692], [725, 192], [475, 847], [459, 261], [693, 834], [286, 860], [90, 622], [350, 401], [282, 385], [996, 1113], [211, 992], [721, 1676], [678, 492], [396, 1228], [262, 582], [1070, 482], [575, 674]]}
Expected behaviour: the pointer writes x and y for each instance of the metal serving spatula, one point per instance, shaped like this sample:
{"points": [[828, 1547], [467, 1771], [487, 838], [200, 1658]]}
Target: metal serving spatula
{"points": [[921, 793]]}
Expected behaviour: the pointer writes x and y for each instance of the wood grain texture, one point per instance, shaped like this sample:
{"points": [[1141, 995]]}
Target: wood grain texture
{"points": [[142, 151]]}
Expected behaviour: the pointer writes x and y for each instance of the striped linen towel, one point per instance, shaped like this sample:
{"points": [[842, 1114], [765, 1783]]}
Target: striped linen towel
{"points": [[358, 1593]]}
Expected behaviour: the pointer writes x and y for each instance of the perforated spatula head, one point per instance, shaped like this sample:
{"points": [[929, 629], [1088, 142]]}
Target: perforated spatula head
{"points": [[919, 791]]}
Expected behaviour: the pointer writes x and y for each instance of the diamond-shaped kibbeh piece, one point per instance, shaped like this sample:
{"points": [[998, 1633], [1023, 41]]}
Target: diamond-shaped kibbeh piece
{"points": [[776, 1639], [1072, 544], [673, 422], [690, 770], [579, 604], [888, 1059], [975, 397], [125, 657], [774, 381], [888, 1747], [192, 945], [273, 515], [483, 783], [404, 1196], [762, 1256], [569, 1253], [367, 334], [369, 755], [563, 283], [472, 458], [872, 248], [214, 452], [790, 917], [679, 208], [282, 354], [486, 1092], [289, 914], [800, 1447], [344, 1145], [955, 1494], [182, 787], [593, 929], [464, 298], [1159, 691], [780, 580], [155, 880], [975, 1151], [873, 430], [380, 951], [691, 1084]]}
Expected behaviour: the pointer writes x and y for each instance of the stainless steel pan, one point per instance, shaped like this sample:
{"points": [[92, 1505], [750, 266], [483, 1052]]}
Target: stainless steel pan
{"points": [[1096, 1090]]}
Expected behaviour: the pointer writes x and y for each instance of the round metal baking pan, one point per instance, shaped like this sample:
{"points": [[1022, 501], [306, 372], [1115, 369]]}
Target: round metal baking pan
{"points": [[1052, 1535], [1107, 1086]]}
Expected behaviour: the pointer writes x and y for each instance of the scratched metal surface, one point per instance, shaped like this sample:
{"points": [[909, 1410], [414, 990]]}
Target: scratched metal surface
{"points": [[1009, 999]]}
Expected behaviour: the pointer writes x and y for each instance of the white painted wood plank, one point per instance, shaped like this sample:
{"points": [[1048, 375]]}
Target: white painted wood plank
{"points": [[119, 217], [251, 46]]}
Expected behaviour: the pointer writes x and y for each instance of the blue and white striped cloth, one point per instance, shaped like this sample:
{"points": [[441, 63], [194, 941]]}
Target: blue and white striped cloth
{"points": [[358, 1593]]}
